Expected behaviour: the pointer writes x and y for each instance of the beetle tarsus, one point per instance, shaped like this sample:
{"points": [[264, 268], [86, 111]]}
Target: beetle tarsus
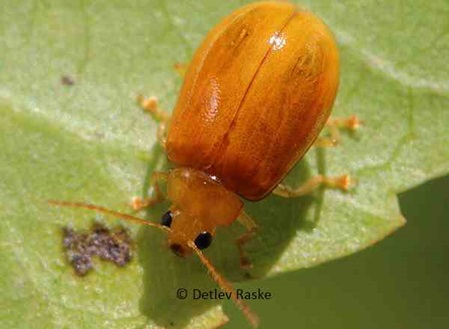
{"points": [[181, 69], [151, 106], [138, 203], [335, 125]]}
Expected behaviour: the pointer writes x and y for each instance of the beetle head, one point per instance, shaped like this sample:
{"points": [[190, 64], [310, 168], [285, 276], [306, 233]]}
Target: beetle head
{"points": [[199, 205], [185, 228]]}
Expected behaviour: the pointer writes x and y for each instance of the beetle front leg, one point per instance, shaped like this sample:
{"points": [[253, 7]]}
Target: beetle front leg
{"points": [[251, 228], [343, 183], [151, 106], [138, 203], [334, 125]]}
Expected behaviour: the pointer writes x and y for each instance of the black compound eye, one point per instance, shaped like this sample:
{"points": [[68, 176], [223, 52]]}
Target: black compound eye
{"points": [[203, 240], [166, 219]]}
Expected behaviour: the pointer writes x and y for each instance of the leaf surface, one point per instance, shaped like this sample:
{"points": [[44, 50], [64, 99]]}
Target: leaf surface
{"points": [[89, 142]]}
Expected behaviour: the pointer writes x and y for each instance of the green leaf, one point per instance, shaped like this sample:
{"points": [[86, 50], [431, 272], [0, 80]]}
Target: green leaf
{"points": [[89, 142]]}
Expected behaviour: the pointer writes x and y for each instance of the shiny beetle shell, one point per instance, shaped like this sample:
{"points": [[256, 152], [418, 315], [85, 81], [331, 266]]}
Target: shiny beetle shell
{"points": [[255, 97]]}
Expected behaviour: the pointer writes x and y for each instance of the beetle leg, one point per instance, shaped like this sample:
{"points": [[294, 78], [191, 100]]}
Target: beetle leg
{"points": [[334, 125], [138, 203], [181, 69], [251, 228], [151, 106], [343, 182]]}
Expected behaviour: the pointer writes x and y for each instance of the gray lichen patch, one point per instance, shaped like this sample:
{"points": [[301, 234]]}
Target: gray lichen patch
{"points": [[80, 247]]}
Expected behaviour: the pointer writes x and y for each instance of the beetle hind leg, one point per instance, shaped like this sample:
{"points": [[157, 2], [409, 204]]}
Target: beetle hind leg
{"points": [[151, 106], [344, 183], [334, 125], [181, 69]]}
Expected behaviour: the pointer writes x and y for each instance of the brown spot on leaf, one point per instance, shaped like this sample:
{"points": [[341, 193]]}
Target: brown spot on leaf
{"points": [[114, 246], [67, 80]]}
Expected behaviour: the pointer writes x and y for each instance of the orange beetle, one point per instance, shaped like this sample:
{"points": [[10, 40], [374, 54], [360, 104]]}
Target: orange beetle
{"points": [[256, 95]]}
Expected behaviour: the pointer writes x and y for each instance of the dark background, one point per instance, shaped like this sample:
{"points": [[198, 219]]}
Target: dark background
{"points": [[401, 282]]}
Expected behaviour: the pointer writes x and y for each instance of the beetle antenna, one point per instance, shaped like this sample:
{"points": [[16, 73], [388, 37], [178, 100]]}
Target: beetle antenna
{"points": [[226, 286], [106, 211]]}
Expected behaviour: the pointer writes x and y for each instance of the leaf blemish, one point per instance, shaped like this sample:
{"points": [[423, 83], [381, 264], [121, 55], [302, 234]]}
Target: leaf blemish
{"points": [[67, 80], [113, 246]]}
